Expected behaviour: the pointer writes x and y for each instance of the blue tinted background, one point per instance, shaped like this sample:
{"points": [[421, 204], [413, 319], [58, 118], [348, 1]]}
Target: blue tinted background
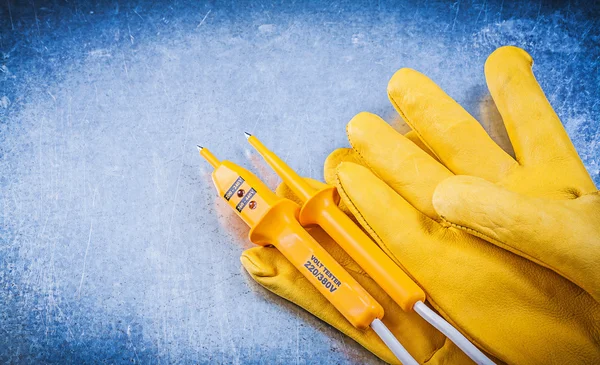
{"points": [[113, 247]]}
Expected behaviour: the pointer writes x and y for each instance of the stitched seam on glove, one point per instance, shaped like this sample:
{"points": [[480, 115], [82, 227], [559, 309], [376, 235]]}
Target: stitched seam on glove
{"points": [[364, 160], [492, 241], [251, 262], [513, 250], [412, 126], [359, 154]]}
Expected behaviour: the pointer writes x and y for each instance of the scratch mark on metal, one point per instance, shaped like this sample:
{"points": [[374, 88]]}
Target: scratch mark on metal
{"points": [[12, 26], [456, 15], [37, 21], [85, 260], [138, 14], [203, 19], [131, 342], [131, 37], [257, 119]]}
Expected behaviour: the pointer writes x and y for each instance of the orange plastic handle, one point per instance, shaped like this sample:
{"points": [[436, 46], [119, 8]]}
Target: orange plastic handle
{"points": [[281, 228], [274, 221], [322, 209]]}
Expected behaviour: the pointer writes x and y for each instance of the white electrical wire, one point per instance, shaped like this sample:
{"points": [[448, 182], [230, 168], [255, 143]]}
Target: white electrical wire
{"points": [[452, 333], [392, 343]]}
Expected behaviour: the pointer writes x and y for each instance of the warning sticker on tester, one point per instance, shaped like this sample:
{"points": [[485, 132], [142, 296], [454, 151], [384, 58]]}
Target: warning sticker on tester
{"points": [[322, 273], [233, 188]]}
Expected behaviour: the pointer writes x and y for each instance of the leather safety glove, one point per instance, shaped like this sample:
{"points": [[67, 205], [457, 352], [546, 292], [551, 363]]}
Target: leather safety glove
{"points": [[543, 205], [510, 306], [273, 271]]}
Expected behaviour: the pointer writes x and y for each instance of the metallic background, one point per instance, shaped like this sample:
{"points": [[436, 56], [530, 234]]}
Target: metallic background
{"points": [[113, 246]]}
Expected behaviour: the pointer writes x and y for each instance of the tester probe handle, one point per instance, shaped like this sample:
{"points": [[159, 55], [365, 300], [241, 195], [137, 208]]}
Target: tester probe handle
{"points": [[281, 228], [321, 209]]}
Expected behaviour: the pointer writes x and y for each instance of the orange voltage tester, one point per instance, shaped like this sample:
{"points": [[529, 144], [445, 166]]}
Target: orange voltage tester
{"points": [[274, 221]]}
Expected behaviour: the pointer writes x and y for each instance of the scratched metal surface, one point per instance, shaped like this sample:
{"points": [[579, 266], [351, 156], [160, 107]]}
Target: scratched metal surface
{"points": [[113, 247]]}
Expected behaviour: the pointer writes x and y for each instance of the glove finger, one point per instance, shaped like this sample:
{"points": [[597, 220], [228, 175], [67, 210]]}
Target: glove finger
{"points": [[337, 157], [367, 197], [272, 270], [350, 155], [534, 228], [535, 131], [406, 168], [330, 170], [456, 138]]}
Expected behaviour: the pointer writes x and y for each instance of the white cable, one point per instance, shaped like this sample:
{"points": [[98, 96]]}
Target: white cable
{"points": [[452, 333], [392, 343]]}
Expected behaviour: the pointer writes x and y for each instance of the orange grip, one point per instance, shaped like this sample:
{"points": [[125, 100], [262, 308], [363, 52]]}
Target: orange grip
{"points": [[273, 221], [280, 228], [322, 209]]}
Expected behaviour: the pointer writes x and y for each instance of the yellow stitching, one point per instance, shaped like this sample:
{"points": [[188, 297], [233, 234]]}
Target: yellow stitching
{"points": [[514, 251]]}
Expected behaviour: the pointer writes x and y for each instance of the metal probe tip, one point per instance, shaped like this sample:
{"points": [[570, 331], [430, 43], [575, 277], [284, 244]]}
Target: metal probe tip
{"points": [[248, 135]]}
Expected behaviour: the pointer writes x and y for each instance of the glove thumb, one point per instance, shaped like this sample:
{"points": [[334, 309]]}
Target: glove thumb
{"points": [[486, 210], [548, 232]]}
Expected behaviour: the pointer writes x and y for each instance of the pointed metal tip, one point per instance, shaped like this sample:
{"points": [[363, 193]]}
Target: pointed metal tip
{"points": [[248, 135], [199, 147]]}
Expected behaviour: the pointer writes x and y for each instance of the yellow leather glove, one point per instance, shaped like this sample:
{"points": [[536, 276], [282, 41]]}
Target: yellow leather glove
{"points": [[543, 206], [515, 309], [273, 271]]}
